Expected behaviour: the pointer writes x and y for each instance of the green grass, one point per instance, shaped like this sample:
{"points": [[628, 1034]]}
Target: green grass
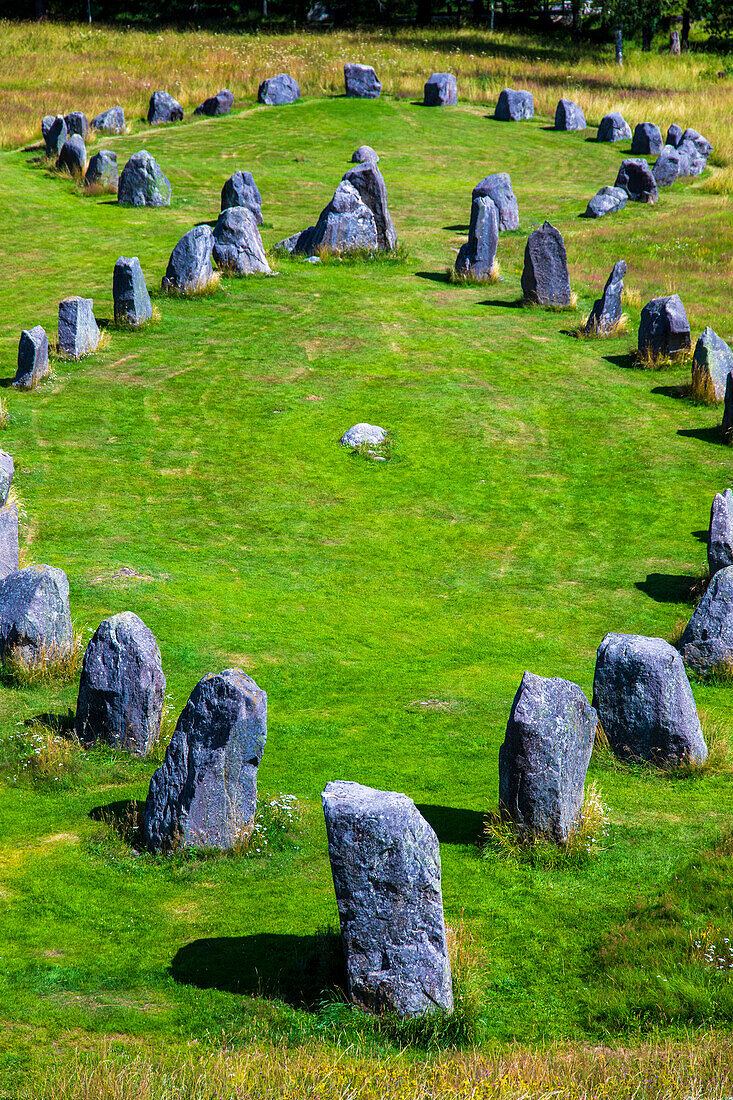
{"points": [[539, 493]]}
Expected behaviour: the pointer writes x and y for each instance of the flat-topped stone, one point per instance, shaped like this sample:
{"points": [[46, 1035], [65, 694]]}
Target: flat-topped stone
{"points": [[278, 90], [674, 135], [498, 187], [79, 333], [33, 364], [441, 90], [361, 81], [130, 294], [142, 182], [77, 123], [219, 104], [164, 108], [613, 127], [514, 106], [569, 116], [607, 200]]}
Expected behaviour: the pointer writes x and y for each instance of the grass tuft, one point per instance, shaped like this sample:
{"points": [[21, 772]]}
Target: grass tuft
{"points": [[650, 359], [457, 279], [211, 289], [50, 665], [45, 755], [581, 332], [506, 840]]}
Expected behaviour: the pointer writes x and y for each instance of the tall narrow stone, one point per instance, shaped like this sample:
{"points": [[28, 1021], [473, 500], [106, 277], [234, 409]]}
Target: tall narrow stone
{"points": [[7, 469], [55, 134], [720, 532], [79, 333], [707, 641], [9, 543], [33, 362], [369, 182], [477, 257], [545, 278], [606, 312], [131, 299]]}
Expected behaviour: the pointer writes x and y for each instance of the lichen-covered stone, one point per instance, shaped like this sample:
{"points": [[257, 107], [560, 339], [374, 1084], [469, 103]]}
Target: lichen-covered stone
{"points": [[440, 90], [237, 243], [142, 182], [363, 155], [9, 544], [569, 116], [189, 267], [608, 200], [33, 364], [477, 257], [35, 618], [720, 532], [362, 433], [369, 183], [219, 104], [79, 333], [346, 225], [131, 299], [164, 108], [663, 327], [707, 641], [7, 469], [498, 187], [606, 312], [111, 121], [712, 362], [102, 170], [613, 127], [241, 190], [361, 81], [278, 90], [545, 278], [694, 151], [514, 106]]}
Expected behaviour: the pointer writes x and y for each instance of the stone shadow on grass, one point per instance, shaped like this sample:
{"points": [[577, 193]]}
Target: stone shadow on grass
{"points": [[670, 587], [678, 392], [502, 303], [625, 361], [58, 723], [707, 435], [433, 276], [454, 826], [125, 817], [299, 970], [701, 536], [457, 228]]}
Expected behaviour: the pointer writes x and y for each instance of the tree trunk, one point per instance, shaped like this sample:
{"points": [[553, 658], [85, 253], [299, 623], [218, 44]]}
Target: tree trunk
{"points": [[424, 12], [647, 34], [685, 28], [619, 41], [478, 11], [576, 21]]}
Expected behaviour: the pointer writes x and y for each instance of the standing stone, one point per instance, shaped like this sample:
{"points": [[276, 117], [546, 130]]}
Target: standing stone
{"points": [[9, 542], [545, 278], [644, 701], [189, 267], [694, 151], [46, 123], [130, 294], [613, 127], [727, 425], [35, 618], [707, 641], [674, 135], [712, 362], [363, 155], [278, 90], [385, 862], [608, 200], [499, 189], [674, 43], [667, 167], [606, 312], [54, 135], [241, 190], [637, 180], [369, 183], [569, 116], [102, 170], [363, 433], [441, 90], [33, 362], [720, 532], [79, 333], [545, 756], [204, 794], [73, 156], [477, 257], [219, 104], [237, 243], [7, 469], [514, 106], [111, 121], [142, 182], [647, 139], [122, 686], [663, 327], [77, 123], [345, 225], [361, 81], [164, 108]]}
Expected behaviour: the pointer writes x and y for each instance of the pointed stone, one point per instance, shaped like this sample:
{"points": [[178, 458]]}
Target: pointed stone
{"points": [[237, 243], [712, 362], [369, 182], [545, 278], [102, 171], [131, 299], [606, 312], [33, 362], [241, 190], [720, 532], [707, 641], [164, 108]]}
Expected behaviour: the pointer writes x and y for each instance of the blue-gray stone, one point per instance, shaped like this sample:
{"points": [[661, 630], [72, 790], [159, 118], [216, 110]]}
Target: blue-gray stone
{"points": [[33, 362], [666, 167], [362, 433], [189, 267], [111, 121], [727, 425], [361, 81], [363, 155], [712, 362], [613, 127], [477, 257], [720, 532], [131, 299], [237, 243], [219, 104], [35, 618], [674, 135], [647, 139], [346, 225], [9, 544], [73, 156], [545, 278], [637, 179], [369, 183], [54, 134], [569, 116], [142, 182], [7, 469], [440, 90], [664, 328], [102, 170], [608, 200], [694, 151], [514, 106], [241, 190], [278, 90], [77, 123], [707, 641], [606, 312], [498, 187], [164, 108], [79, 333]]}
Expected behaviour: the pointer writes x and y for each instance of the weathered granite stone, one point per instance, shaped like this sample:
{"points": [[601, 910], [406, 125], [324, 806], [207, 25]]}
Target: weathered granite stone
{"points": [[241, 190], [102, 170], [7, 469], [513, 106], [674, 135], [361, 81], [189, 267], [569, 116], [131, 299], [73, 156], [79, 333], [707, 641], [385, 862], [77, 123], [363, 155], [369, 183], [35, 619], [219, 104], [33, 362], [477, 257], [345, 225], [544, 757], [606, 312], [664, 328], [644, 701], [647, 139], [712, 362], [608, 200], [613, 127], [637, 180], [364, 433], [720, 532], [54, 135], [667, 167], [164, 108], [142, 182], [9, 544], [237, 243], [694, 151], [111, 121], [278, 90], [204, 794], [498, 187], [441, 90], [545, 278], [727, 425], [122, 686]]}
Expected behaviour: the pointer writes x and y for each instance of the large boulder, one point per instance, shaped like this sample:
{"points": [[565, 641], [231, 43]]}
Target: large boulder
{"points": [[707, 641], [7, 470], [9, 542], [613, 127], [164, 108], [647, 139], [545, 278], [606, 201], [204, 794], [477, 257], [122, 686], [369, 183], [142, 182], [513, 106], [35, 618], [131, 299], [644, 701], [79, 333], [544, 758], [54, 134], [666, 167], [241, 190], [606, 312], [637, 179], [663, 327], [720, 532], [694, 151], [219, 104], [361, 81], [73, 156], [237, 243], [569, 116], [440, 90], [359, 434], [345, 225], [102, 170], [189, 267], [712, 362], [385, 862], [498, 187], [77, 123], [363, 155], [111, 121], [33, 364], [278, 90]]}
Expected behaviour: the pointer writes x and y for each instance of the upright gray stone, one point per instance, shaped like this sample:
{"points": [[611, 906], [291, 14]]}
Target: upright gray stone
{"points": [[613, 127], [54, 134], [102, 170], [727, 425], [241, 190], [694, 151], [9, 543], [569, 116], [674, 135], [111, 121], [237, 243], [363, 155], [663, 327], [219, 104], [606, 312], [667, 167], [73, 156], [189, 267], [498, 187], [477, 257], [142, 182], [712, 362], [361, 81], [513, 106], [35, 618], [278, 90], [647, 139], [707, 641], [544, 758], [720, 532], [79, 333], [545, 278], [637, 179], [441, 90], [369, 182], [131, 299], [33, 362], [359, 434], [77, 123], [345, 225], [385, 862], [608, 200], [7, 469], [164, 108], [122, 686], [204, 794], [644, 701], [46, 123]]}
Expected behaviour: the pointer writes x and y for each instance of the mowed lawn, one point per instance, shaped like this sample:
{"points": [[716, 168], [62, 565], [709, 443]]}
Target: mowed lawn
{"points": [[541, 492]]}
